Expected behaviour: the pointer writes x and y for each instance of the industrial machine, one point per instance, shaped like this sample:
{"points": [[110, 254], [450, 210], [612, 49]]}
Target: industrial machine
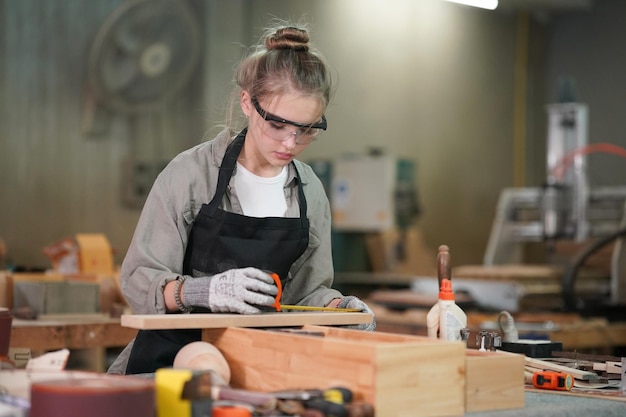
{"points": [[566, 207]]}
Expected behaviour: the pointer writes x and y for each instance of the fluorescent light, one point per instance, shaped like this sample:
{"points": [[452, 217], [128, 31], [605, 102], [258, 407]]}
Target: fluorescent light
{"points": [[485, 4]]}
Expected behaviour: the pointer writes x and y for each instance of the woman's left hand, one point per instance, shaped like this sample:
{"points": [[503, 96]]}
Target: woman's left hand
{"points": [[354, 302]]}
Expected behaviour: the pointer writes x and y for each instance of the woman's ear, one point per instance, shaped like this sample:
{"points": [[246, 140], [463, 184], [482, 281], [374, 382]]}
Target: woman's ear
{"points": [[245, 101]]}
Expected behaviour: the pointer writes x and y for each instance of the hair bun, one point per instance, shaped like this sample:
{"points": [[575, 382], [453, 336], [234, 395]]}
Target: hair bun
{"points": [[288, 38]]}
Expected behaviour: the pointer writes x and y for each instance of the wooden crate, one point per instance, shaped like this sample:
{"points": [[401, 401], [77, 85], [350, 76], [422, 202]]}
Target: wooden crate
{"points": [[8, 280], [52, 297], [400, 375], [494, 380]]}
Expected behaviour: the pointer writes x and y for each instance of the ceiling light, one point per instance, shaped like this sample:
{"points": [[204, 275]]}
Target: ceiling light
{"points": [[485, 4]]}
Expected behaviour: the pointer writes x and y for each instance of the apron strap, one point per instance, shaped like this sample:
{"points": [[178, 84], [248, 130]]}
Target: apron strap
{"points": [[229, 162], [301, 198]]}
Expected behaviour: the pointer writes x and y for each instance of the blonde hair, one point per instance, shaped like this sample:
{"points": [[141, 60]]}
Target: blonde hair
{"points": [[283, 61]]}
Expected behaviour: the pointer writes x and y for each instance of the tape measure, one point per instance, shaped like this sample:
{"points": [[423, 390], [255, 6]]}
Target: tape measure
{"points": [[553, 380], [282, 307]]}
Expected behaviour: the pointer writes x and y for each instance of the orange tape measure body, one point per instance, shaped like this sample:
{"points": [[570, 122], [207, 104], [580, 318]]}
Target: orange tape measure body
{"points": [[553, 380]]}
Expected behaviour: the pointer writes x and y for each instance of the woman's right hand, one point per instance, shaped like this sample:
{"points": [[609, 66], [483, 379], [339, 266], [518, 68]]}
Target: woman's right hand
{"points": [[234, 291]]}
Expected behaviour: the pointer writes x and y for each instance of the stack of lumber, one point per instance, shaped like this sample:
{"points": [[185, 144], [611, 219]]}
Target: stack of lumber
{"points": [[594, 375]]}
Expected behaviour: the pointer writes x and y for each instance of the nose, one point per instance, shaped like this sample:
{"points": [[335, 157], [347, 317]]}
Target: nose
{"points": [[290, 141]]}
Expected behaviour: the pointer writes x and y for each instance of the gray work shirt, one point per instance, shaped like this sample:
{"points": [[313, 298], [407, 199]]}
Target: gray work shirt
{"points": [[157, 249], [156, 252]]}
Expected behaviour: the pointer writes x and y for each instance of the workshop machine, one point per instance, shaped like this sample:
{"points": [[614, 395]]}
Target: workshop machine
{"points": [[565, 207]]}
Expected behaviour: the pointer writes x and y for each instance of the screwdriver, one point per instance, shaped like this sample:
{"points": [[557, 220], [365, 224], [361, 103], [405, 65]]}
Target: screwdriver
{"points": [[332, 402]]}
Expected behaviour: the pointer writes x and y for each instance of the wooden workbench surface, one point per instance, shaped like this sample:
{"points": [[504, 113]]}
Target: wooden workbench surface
{"points": [[70, 331], [271, 319], [572, 330]]}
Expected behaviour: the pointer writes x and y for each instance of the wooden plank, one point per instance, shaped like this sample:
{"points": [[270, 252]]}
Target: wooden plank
{"points": [[591, 334], [212, 321], [38, 337], [511, 272], [608, 367], [586, 357], [410, 299], [575, 373], [73, 334]]}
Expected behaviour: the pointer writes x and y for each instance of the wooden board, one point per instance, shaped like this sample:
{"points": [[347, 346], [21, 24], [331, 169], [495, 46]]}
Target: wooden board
{"points": [[551, 366], [522, 273], [87, 336], [494, 380], [589, 334], [215, 321], [512, 272], [73, 332]]}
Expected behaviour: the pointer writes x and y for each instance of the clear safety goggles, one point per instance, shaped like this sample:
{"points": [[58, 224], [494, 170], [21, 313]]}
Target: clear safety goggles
{"points": [[278, 129]]}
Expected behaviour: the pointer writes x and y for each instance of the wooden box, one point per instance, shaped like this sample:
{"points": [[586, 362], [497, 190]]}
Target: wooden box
{"points": [[95, 253], [494, 380], [400, 375]]}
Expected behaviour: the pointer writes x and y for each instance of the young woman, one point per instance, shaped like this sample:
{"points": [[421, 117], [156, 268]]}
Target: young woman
{"points": [[225, 212]]}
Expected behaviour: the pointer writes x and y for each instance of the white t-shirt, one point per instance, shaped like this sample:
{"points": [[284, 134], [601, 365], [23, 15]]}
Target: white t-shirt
{"points": [[261, 196]]}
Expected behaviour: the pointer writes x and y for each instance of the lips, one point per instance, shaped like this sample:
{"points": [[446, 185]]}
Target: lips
{"points": [[283, 156]]}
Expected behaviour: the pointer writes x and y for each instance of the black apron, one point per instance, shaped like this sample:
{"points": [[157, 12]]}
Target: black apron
{"points": [[219, 241]]}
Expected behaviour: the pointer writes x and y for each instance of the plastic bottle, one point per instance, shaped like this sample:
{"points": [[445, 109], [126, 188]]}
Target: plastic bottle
{"points": [[451, 318], [446, 319], [432, 321], [446, 298]]}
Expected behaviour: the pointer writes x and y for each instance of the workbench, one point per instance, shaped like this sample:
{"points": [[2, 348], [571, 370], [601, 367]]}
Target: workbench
{"points": [[559, 405], [408, 308], [575, 332], [550, 404], [93, 333], [96, 332], [536, 404]]}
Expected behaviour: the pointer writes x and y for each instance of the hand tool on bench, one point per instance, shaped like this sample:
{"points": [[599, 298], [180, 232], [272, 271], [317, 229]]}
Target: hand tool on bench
{"points": [[193, 392], [331, 402], [553, 380], [201, 386]]}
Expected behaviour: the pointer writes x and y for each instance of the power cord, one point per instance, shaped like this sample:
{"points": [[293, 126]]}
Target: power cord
{"points": [[569, 278]]}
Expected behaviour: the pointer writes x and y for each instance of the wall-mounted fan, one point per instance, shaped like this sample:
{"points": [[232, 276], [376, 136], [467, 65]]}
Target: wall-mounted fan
{"points": [[144, 54]]}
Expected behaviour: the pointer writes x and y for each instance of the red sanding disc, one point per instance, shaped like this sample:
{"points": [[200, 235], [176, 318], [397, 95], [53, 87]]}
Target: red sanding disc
{"points": [[97, 396]]}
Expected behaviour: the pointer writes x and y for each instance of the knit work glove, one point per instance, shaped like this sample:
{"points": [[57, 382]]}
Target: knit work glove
{"points": [[234, 291], [354, 302]]}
